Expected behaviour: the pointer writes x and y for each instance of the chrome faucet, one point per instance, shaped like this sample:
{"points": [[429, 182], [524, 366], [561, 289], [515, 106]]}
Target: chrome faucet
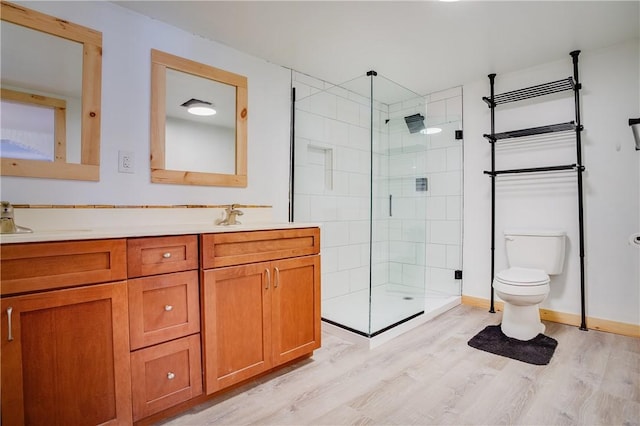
{"points": [[231, 212], [7, 223]]}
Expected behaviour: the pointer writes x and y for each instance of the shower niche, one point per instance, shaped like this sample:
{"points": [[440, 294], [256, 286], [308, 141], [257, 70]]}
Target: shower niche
{"points": [[380, 169]]}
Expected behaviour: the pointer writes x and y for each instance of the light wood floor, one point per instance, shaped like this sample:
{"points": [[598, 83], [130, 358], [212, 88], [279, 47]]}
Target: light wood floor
{"points": [[431, 376]]}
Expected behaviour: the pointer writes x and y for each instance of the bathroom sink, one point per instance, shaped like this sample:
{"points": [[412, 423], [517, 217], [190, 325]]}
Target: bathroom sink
{"points": [[45, 232], [41, 235], [60, 231]]}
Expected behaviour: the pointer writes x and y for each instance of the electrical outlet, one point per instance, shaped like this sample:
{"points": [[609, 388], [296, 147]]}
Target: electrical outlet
{"points": [[126, 162]]}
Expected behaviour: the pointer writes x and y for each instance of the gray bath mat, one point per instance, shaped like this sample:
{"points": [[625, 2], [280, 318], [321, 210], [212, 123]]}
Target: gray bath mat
{"points": [[538, 350]]}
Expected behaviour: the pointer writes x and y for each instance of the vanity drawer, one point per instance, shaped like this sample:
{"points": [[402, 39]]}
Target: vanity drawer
{"points": [[160, 255], [238, 248], [165, 375], [44, 266], [163, 307]]}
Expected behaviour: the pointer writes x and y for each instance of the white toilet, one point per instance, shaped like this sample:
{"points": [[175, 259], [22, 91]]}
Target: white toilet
{"points": [[532, 256]]}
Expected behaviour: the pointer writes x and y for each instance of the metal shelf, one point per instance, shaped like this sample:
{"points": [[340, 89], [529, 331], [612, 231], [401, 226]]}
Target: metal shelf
{"points": [[532, 92], [565, 84], [533, 131], [535, 170]]}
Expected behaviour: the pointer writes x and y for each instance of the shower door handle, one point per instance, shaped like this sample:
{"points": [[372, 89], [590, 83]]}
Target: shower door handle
{"points": [[390, 205]]}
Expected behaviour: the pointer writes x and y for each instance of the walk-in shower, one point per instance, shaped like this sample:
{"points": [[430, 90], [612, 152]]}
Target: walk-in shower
{"points": [[380, 169]]}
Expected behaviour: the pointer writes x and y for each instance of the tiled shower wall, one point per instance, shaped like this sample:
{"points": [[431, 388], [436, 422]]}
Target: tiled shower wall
{"points": [[444, 164], [425, 230], [406, 157]]}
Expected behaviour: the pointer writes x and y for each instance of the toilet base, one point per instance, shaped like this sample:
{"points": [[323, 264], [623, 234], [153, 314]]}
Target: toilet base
{"points": [[521, 322]]}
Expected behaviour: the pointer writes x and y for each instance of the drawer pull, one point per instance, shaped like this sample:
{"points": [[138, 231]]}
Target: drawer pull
{"points": [[170, 375], [10, 331], [166, 255], [168, 308], [266, 286], [277, 280]]}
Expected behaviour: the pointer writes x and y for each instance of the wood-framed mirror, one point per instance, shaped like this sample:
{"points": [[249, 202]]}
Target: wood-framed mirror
{"points": [[51, 82], [190, 149]]}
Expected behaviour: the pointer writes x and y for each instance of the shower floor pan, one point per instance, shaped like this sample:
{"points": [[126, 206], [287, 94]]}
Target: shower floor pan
{"points": [[395, 310]]}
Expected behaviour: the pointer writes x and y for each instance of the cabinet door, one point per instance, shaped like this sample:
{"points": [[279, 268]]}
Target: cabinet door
{"points": [[236, 324], [296, 307], [65, 357]]}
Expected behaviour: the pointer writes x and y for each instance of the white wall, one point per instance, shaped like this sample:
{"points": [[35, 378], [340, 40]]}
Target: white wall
{"points": [[199, 147], [610, 97], [127, 40]]}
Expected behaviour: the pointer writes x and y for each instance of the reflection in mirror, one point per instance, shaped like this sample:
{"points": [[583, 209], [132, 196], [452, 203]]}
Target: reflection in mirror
{"points": [[200, 143], [206, 147], [32, 127], [51, 81]]}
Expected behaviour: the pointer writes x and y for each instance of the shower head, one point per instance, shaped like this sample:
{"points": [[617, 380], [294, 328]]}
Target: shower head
{"points": [[635, 128], [415, 122]]}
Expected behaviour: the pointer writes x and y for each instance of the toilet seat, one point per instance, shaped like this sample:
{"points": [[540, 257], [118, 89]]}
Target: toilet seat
{"points": [[523, 277], [522, 282]]}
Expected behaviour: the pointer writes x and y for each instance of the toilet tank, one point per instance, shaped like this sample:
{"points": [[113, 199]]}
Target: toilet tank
{"points": [[537, 249]]}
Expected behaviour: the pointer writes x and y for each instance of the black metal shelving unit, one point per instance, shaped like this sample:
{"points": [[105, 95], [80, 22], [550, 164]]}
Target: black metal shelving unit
{"points": [[566, 84]]}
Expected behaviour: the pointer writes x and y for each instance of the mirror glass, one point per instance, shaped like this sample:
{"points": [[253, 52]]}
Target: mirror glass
{"points": [[27, 131], [50, 75], [194, 149], [52, 70], [200, 143]]}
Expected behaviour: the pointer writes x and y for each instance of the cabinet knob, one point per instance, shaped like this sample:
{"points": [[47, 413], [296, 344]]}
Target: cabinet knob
{"points": [[170, 376], [168, 308], [166, 255]]}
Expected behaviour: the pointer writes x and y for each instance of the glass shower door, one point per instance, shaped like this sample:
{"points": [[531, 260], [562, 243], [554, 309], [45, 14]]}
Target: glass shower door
{"points": [[398, 190], [386, 194], [332, 186]]}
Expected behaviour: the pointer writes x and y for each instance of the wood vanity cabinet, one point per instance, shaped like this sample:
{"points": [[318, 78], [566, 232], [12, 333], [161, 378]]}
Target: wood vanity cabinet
{"points": [[164, 320], [260, 301], [114, 331], [65, 353]]}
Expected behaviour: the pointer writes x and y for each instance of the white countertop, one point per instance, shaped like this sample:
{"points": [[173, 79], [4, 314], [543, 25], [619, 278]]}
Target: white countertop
{"points": [[82, 233]]}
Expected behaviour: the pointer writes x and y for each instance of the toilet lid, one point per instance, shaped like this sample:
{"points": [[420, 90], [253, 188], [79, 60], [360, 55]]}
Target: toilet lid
{"points": [[523, 276]]}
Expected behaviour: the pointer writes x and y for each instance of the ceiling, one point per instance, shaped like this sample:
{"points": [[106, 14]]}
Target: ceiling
{"points": [[423, 45]]}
